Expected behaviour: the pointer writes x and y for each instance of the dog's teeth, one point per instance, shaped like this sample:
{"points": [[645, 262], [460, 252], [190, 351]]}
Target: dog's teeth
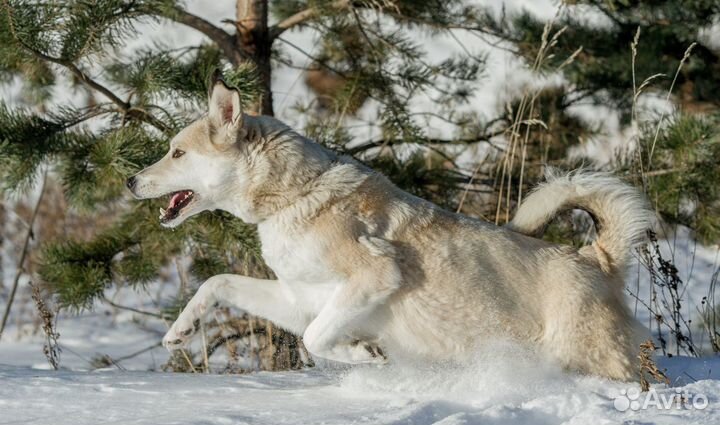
{"points": [[162, 212]]}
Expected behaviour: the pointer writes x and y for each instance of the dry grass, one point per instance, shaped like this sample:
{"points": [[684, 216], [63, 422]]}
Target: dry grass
{"points": [[21, 266], [510, 169]]}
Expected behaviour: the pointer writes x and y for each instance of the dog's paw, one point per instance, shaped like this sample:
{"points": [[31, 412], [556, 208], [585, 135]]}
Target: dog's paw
{"points": [[368, 352], [180, 333]]}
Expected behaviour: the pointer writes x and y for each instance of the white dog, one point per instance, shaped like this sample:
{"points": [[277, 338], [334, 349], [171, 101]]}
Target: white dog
{"points": [[366, 270]]}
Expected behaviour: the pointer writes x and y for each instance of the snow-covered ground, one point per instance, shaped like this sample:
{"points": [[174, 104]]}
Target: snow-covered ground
{"points": [[503, 387]]}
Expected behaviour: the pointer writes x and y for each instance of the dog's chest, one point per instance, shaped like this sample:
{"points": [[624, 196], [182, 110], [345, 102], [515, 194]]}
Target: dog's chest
{"points": [[295, 257]]}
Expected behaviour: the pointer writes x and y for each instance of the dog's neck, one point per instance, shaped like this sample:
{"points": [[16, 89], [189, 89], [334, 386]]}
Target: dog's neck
{"points": [[338, 181], [314, 177]]}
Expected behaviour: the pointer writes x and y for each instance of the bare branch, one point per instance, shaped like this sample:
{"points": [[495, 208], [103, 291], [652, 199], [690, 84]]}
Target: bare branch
{"points": [[483, 138], [224, 40], [303, 16], [135, 310]]}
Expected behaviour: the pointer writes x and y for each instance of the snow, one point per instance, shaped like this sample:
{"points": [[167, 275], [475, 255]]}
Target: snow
{"points": [[503, 387]]}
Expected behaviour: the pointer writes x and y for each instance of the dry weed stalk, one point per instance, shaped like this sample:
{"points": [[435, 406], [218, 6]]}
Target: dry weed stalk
{"points": [[649, 367], [666, 299], [684, 59], [3, 221], [51, 347], [666, 296]]}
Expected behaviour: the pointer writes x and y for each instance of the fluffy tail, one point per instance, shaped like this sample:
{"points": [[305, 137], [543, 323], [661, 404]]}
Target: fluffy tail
{"points": [[620, 212]]}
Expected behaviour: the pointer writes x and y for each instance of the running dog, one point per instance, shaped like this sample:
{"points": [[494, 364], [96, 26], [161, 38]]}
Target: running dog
{"points": [[367, 272]]}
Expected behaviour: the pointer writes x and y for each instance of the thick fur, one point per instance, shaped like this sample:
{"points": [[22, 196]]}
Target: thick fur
{"points": [[367, 272], [619, 211]]}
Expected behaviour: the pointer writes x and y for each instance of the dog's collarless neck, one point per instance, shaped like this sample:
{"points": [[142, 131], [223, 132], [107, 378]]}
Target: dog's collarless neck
{"points": [[339, 181]]}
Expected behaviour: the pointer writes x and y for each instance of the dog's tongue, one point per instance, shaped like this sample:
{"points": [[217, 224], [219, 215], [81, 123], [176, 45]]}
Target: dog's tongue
{"points": [[176, 198]]}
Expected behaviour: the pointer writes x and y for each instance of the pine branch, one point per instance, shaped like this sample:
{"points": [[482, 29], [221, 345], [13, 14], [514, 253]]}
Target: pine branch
{"points": [[71, 66], [310, 13], [85, 79], [124, 106]]}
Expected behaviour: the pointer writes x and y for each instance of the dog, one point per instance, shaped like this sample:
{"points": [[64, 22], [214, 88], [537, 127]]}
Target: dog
{"points": [[367, 272]]}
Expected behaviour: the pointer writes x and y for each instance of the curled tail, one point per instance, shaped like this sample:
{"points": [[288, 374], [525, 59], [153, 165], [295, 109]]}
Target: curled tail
{"points": [[619, 211]]}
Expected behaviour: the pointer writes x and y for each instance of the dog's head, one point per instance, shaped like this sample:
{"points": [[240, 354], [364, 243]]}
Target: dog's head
{"points": [[248, 166], [203, 161]]}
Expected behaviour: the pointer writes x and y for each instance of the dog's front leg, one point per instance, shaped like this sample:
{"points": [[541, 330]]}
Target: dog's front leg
{"points": [[263, 298], [330, 335]]}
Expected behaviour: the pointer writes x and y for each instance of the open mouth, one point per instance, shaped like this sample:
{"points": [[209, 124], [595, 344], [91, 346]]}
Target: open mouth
{"points": [[178, 201]]}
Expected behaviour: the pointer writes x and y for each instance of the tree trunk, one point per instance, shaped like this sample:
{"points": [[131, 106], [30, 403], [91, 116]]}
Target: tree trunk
{"points": [[254, 43], [253, 40]]}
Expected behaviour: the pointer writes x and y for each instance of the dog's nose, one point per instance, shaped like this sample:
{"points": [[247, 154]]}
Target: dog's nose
{"points": [[131, 182]]}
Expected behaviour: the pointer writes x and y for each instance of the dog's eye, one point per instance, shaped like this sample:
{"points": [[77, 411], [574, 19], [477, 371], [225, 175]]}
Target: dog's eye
{"points": [[178, 153]]}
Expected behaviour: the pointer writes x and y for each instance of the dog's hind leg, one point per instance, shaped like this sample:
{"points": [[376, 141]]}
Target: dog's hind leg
{"points": [[264, 298], [332, 335], [587, 326]]}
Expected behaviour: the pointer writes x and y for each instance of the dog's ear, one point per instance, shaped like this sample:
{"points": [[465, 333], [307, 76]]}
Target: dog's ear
{"points": [[224, 108]]}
